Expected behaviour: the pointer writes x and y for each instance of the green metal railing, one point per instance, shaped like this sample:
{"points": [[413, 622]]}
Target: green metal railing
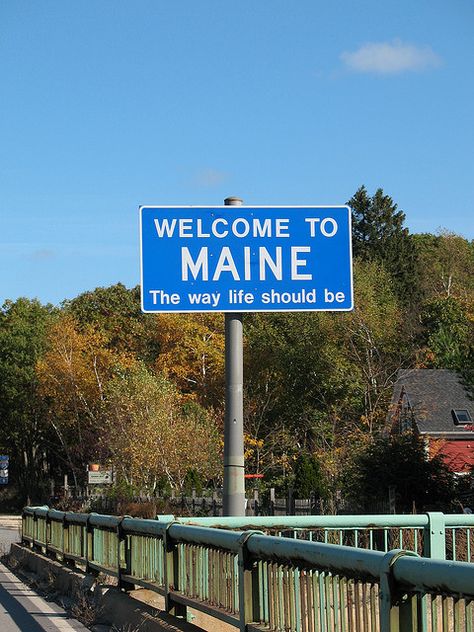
{"points": [[436, 535], [256, 581]]}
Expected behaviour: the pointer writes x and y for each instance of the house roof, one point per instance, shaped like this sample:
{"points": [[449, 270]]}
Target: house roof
{"points": [[432, 395]]}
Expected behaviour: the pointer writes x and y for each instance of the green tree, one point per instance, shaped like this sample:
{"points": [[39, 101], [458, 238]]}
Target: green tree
{"points": [[446, 265], [376, 222], [285, 365], [448, 333], [399, 461], [446, 313], [373, 339], [379, 234], [309, 478], [23, 429], [115, 312]]}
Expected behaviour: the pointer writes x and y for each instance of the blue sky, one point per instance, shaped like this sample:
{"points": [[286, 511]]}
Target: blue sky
{"points": [[110, 104]]}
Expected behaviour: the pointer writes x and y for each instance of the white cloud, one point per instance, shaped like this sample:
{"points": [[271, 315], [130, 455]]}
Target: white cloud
{"points": [[390, 58], [210, 177], [42, 255]]}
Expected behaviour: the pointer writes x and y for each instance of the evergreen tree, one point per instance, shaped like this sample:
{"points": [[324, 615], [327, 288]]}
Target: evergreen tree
{"points": [[400, 461], [308, 477], [379, 235]]}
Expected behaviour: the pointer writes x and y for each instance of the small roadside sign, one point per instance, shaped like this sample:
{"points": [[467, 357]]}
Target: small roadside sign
{"points": [[103, 477], [245, 259]]}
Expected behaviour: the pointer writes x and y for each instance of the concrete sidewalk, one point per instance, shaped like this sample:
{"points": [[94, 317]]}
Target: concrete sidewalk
{"points": [[23, 609], [140, 610]]}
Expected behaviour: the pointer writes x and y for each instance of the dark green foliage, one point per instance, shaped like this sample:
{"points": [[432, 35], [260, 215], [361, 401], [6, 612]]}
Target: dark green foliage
{"points": [[193, 481], [379, 234], [308, 477], [376, 223], [23, 433], [106, 305], [399, 461], [291, 370]]}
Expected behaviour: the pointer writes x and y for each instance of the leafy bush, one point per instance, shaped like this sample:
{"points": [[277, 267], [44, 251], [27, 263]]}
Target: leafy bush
{"points": [[308, 477], [400, 461]]}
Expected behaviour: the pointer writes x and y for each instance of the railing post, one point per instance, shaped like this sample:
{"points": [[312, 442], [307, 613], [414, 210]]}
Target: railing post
{"points": [[67, 542], [434, 536], [290, 502], [35, 530], [256, 505], [172, 575], [249, 594], [122, 544], [47, 533], [89, 552], [399, 612]]}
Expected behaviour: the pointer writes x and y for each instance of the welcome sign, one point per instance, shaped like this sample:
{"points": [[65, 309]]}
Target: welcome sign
{"points": [[245, 259]]}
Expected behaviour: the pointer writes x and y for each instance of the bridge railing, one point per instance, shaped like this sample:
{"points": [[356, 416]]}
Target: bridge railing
{"points": [[434, 534], [256, 581]]}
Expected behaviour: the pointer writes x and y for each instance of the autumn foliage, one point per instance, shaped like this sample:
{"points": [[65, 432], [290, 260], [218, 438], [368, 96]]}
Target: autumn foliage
{"points": [[97, 380]]}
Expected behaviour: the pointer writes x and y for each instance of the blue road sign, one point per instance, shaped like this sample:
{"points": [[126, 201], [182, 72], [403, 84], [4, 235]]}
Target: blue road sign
{"points": [[245, 259], [4, 462]]}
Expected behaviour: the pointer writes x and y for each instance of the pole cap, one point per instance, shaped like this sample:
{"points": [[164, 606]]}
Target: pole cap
{"points": [[233, 201]]}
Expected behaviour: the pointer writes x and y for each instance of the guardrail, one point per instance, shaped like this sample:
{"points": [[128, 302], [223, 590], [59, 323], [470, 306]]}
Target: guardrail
{"points": [[262, 582], [434, 534]]}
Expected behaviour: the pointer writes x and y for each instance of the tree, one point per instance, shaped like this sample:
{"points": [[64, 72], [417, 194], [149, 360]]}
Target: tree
{"points": [[115, 312], [300, 390], [73, 374], [399, 461], [309, 478], [373, 339], [376, 222], [448, 333], [379, 235], [446, 265], [23, 430], [153, 434], [285, 363], [191, 353], [446, 315]]}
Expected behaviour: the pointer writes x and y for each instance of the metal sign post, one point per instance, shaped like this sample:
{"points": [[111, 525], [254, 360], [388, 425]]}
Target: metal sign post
{"points": [[234, 482]]}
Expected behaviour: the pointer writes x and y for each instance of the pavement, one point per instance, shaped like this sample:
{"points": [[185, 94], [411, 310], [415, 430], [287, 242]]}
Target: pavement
{"points": [[9, 532], [21, 608]]}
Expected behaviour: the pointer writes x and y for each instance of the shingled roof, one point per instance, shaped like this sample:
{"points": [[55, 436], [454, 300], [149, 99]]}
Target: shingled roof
{"points": [[432, 395]]}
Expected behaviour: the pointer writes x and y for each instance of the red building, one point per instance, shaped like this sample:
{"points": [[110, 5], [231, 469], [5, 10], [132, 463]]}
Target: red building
{"points": [[435, 404]]}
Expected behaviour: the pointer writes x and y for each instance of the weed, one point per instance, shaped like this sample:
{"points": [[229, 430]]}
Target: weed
{"points": [[128, 627], [85, 609]]}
